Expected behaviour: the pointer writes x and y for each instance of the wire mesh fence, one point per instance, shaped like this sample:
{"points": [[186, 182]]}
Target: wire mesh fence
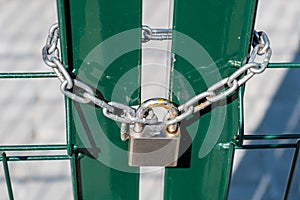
{"points": [[33, 117]]}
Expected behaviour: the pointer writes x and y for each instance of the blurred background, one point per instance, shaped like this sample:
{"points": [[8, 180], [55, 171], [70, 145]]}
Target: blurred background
{"points": [[32, 111]]}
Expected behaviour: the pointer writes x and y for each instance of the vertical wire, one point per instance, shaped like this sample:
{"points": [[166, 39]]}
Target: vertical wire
{"points": [[75, 173], [292, 171], [7, 176], [241, 117]]}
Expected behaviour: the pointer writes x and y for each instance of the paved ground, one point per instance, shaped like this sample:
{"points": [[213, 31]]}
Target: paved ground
{"points": [[32, 111]]}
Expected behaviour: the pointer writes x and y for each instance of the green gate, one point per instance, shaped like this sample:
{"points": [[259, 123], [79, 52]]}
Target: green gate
{"points": [[211, 40]]}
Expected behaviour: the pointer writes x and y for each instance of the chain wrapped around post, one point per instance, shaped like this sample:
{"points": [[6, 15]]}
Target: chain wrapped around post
{"points": [[218, 91]]}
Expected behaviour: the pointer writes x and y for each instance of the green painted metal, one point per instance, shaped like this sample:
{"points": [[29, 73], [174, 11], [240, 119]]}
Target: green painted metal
{"points": [[28, 75], [267, 146], [284, 65], [237, 64], [241, 129], [32, 147], [69, 137], [241, 136], [272, 137], [86, 24], [223, 29], [37, 158], [7, 176], [74, 175], [83, 26], [292, 171]]}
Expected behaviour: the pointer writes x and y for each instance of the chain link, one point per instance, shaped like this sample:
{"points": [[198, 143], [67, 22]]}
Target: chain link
{"points": [[83, 93], [50, 50], [149, 33], [77, 97], [225, 87], [68, 86]]}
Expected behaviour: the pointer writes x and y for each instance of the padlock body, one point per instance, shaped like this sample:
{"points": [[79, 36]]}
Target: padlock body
{"points": [[149, 148]]}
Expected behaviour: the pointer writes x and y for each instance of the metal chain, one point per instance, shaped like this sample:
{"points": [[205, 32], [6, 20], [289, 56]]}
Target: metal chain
{"points": [[127, 115], [155, 34], [225, 87], [70, 87]]}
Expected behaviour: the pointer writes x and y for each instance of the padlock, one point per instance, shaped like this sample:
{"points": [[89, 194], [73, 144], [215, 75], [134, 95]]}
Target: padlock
{"points": [[154, 144]]}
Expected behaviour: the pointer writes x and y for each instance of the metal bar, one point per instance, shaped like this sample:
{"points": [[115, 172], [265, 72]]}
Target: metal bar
{"points": [[241, 117], [32, 158], [284, 65], [74, 176], [237, 64], [272, 137], [292, 170], [7, 176], [32, 147], [234, 63], [266, 146], [69, 127], [104, 25], [219, 47], [28, 75]]}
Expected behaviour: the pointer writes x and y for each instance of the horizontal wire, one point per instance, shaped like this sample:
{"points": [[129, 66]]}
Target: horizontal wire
{"points": [[14, 75]]}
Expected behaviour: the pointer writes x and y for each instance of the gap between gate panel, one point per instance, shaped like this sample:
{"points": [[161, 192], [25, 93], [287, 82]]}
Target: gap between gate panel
{"points": [[156, 70]]}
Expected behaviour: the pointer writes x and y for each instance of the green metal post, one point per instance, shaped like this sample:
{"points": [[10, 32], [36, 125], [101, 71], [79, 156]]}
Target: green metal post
{"points": [[102, 172], [223, 29]]}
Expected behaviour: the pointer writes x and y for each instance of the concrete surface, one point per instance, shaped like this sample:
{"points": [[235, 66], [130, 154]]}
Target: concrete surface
{"points": [[32, 111]]}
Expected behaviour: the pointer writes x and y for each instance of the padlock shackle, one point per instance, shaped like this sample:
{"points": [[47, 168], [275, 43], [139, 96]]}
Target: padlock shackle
{"points": [[157, 102]]}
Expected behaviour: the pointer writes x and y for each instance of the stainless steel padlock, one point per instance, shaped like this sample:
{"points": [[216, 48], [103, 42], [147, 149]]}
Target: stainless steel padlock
{"points": [[154, 145]]}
